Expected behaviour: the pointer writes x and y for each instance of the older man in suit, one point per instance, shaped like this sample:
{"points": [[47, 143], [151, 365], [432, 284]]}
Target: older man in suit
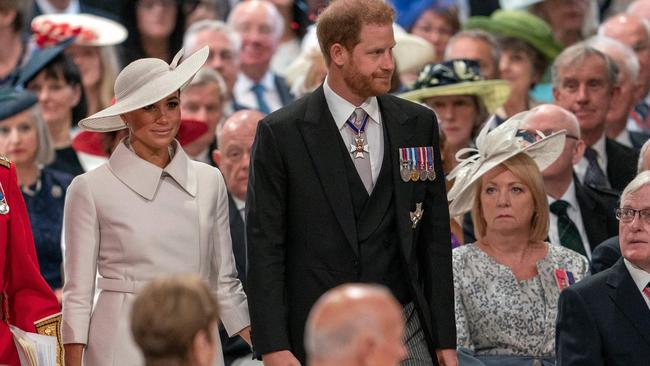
{"points": [[584, 83], [605, 319], [331, 200], [574, 207]]}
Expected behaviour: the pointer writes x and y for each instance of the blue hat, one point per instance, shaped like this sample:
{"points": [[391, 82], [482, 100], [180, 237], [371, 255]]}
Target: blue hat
{"points": [[408, 11], [39, 58], [14, 101]]}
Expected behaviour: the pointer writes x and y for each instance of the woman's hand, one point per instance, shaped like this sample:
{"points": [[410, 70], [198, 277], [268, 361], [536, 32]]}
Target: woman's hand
{"points": [[73, 352]]}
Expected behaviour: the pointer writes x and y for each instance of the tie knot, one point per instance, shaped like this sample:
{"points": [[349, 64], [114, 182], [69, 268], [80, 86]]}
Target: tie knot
{"points": [[257, 88], [591, 154], [357, 116], [559, 207]]}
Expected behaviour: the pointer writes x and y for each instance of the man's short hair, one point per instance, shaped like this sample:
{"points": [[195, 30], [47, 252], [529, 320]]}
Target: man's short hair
{"points": [[495, 51], [644, 149], [207, 75], [641, 180], [341, 22], [273, 14], [168, 314], [578, 53], [629, 58], [17, 6], [216, 26]]}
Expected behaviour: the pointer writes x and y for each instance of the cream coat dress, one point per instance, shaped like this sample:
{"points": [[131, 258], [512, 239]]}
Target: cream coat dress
{"points": [[131, 221]]}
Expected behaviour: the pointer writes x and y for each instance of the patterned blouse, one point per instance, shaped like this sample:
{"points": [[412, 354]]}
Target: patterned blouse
{"points": [[496, 314]]}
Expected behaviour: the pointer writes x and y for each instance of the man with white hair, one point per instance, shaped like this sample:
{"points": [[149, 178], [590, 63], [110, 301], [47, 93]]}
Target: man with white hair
{"points": [[224, 45], [635, 33], [630, 80], [605, 319], [355, 324], [575, 209], [260, 27]]}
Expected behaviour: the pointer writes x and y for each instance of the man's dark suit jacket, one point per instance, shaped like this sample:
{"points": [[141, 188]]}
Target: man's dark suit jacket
{"points": [[597, 209], [638, 138], [235, 347], [603, 320], [302, 238], [605, 255], [621, 164]]}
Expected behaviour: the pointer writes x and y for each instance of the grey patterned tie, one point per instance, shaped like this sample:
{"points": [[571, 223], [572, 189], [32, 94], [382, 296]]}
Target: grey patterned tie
{"points": [[361, 163], [594, 176]]}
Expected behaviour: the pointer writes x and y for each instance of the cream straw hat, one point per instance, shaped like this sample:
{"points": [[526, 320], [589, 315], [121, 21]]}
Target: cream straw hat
{"points": [[493, 148], [144, 82]]}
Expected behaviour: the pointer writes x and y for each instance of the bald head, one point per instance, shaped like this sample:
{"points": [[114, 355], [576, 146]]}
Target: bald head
{"points": [[552, 118], [634, 32], [640, 8], [355, 324], [235, 142]]}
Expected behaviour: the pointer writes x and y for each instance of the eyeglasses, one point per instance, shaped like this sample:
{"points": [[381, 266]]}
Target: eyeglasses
{"points": [[534, 136], [626, 215]]}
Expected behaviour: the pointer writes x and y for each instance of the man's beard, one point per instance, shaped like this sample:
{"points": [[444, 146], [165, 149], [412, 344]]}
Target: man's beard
{"points": [[361, 84]]}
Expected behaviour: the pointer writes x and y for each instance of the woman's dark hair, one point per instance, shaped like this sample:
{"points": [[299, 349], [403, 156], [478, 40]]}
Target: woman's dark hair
{"points": [[132, 46], [62, 67], [536, 58]]}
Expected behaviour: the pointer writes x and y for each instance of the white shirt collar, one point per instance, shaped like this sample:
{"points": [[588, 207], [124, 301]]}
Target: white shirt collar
{"points": [[238, 203], [341, 109], [569, 196], [623, 138], [599, 146], [641, 278], [246, 83], [47, 8]]}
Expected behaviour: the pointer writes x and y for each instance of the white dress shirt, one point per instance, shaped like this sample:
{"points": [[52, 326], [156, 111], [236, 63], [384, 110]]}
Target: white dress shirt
{"points": [[47, 8], [241, 207], [640, 278], [581, 167], [246, 97], [341, 110], [573, 210], [624, 139]]}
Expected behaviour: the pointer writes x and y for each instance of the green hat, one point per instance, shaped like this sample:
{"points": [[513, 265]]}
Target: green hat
{"points": [[458, 77], [521, 25]]}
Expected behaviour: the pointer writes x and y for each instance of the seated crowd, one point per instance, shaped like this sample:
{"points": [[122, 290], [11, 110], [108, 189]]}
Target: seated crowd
{"points": [[543, 109]]}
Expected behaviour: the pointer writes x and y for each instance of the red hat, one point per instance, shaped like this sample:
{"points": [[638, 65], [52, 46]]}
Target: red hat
{"points": [[92, 143]]}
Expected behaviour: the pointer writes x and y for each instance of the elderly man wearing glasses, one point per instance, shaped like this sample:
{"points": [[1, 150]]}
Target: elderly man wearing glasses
{"points": [[605, 319]]}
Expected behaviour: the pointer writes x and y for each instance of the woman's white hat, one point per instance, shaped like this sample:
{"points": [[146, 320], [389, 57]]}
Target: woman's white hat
{"points": [[493, 148], [144, 82], [91, 30]]}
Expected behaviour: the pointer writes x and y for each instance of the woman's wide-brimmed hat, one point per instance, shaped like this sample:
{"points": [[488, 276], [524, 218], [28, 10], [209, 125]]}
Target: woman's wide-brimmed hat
{"points": [[90, 30], [522, 25], [411, 52], [15, 100], [458, 77], [144, 82], [92, 143], [493, 148]]}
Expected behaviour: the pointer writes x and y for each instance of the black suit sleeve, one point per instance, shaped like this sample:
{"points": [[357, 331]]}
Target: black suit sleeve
{"points": [[266, 235], [605, 255], [577, 341], [435, 241]]}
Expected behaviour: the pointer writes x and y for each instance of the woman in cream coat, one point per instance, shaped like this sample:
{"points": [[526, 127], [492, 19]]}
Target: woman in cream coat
{"points": [[149, 211]]}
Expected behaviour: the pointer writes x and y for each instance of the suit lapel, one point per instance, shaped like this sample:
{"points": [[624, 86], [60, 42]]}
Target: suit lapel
{"points": [[401, 133], [628, 299], [322, 140]]}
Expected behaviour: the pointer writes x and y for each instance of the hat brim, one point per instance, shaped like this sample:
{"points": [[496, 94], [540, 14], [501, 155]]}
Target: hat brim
{"points": [[549, 48], [107, 32], [38, 59], [492, 93], [543, 152], [411, 52], [157, 89]]}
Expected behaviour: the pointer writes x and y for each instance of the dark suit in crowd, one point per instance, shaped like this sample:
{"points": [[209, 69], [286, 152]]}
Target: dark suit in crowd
{"points": [[603, 320], [312, 225], [621, 164]]}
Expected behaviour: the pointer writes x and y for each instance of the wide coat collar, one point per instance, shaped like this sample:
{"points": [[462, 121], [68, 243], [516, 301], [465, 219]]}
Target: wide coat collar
{"points": [[626, 296], [144, 178]]}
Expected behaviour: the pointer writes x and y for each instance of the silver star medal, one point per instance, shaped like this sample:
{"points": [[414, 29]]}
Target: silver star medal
{"points": [[359, 147]]}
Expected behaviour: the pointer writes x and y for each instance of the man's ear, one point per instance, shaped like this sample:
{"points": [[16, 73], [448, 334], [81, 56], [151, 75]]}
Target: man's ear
{"points": [[338, 54], [578, 152], [216, 157]]}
